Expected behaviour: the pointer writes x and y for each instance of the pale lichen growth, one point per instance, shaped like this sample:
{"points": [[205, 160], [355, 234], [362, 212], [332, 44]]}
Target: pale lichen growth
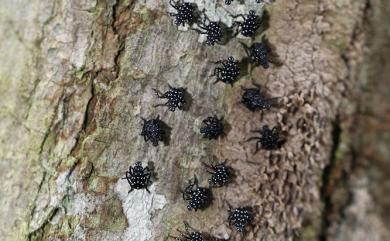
{"points": [[139, 207]]}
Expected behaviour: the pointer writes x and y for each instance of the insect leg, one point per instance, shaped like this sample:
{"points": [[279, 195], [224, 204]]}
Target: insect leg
{"points": [[252, 138], [199, 31], [173, 4], [258, 143]]}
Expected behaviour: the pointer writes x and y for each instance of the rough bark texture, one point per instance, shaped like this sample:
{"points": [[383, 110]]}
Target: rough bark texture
{"points": [[77, 75]]}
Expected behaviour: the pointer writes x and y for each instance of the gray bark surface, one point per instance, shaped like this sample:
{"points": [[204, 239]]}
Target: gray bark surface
{"points": [[76, 76]]}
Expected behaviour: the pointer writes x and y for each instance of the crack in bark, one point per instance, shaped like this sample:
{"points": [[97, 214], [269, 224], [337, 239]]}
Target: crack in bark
{"points": [[36, 197], [49, 128], [116, 27], [38, 233], [89, 114], [100, 73], [88, 111], [335, 177], [328, 181]]}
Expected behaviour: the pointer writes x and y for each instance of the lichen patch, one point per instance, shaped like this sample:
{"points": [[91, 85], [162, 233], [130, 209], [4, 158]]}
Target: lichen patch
{"points": [[139, 207]]}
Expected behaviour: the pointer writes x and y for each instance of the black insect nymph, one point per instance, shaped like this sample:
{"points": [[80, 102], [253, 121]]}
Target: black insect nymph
{"points": [[253, 99], [212, 127], [229, 71], [259, 54], [240, 218], [197, 197], [249, 26], [269, 139], [190, 235], [175, 98], [212, 30], [185, 12], [138, 177], [153, 130], [220, 174]]}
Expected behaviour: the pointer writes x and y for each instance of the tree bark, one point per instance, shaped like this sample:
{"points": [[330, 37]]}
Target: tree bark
{"points": [[77, 76]]}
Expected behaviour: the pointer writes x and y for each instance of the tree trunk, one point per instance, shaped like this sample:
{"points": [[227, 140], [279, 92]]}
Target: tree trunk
{"points": [[77, 76]]}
